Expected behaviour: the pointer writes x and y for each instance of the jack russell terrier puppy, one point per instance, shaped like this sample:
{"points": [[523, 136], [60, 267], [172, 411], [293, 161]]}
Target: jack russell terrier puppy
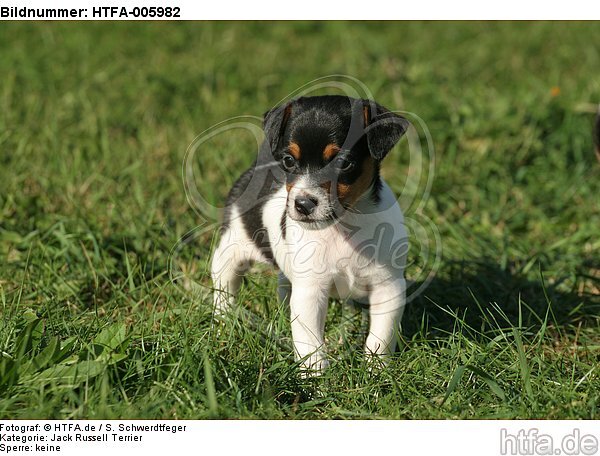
{"points": [[314, 205]]}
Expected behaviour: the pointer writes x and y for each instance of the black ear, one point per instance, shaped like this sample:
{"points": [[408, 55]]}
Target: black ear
{"points": [[274, 122], [383, 128]]}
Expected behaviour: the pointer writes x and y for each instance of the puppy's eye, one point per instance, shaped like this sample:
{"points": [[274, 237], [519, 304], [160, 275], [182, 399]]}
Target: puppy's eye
{"points": [[288, 162], [344, 164]]}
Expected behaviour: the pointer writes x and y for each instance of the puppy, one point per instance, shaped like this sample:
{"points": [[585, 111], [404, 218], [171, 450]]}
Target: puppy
{"points": [[314, 205]]}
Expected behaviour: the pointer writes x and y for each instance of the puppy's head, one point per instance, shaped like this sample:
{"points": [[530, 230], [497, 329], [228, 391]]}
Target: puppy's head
{"points": [[330, 149]]}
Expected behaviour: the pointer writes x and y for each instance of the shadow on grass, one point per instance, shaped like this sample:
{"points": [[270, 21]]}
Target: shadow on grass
{"points": [[484, 297]]}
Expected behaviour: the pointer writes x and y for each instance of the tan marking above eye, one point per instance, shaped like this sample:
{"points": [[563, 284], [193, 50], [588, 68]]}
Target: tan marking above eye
{"points": [[294, 150], [366, 115], [330, 151], [349, 193], [326, 186]]}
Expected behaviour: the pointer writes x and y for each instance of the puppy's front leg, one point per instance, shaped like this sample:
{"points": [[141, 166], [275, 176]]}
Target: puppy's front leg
{"points": [[308, 305], [386, 305]]}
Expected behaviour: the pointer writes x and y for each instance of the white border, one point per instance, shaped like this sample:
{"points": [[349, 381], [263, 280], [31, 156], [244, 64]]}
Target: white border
{"points": [[344, 10], [302, 438]]}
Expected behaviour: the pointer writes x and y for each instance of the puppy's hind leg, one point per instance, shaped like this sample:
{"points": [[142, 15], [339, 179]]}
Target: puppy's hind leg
{"points": [[229, 263]]}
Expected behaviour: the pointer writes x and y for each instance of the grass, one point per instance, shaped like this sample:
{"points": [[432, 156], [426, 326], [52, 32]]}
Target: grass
{"points": [[95, 120]]}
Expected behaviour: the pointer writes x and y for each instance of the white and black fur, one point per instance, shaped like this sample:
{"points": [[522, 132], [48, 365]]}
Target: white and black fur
{"points": [[314, 205]]}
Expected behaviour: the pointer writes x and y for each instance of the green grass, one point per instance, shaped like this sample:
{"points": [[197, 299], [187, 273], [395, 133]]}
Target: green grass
{"points": [[95, 120]]}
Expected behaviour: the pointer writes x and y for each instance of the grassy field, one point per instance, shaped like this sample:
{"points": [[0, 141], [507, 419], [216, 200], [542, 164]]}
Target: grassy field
{"points": [[95, 120]]}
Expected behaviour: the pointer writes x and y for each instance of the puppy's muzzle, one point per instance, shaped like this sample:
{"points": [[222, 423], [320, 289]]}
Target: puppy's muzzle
{"points": [[305, 205]]}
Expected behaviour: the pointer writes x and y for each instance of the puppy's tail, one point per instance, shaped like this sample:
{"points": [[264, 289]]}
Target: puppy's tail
{"points": [[597, 135]]}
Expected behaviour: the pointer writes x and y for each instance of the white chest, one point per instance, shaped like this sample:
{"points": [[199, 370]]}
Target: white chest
{"points": [[351, 256]]}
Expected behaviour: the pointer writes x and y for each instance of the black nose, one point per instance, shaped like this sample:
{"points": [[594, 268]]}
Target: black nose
{"points": [[305, 206]]}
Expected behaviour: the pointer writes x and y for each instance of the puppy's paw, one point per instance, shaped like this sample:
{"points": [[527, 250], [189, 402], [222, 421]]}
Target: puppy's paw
{"points": [[375, 362], [314, 365]]}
